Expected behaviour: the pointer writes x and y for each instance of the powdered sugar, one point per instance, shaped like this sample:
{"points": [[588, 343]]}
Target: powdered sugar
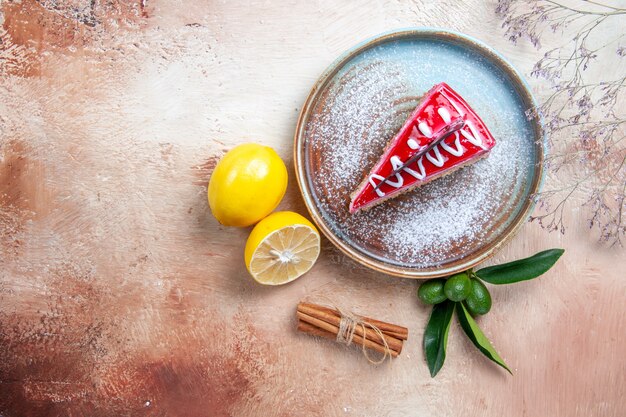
{"points": [[363, 108], [349, 127]]}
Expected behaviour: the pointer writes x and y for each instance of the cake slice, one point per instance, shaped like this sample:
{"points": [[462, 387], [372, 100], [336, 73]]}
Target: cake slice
{"points": [[437, 109]]}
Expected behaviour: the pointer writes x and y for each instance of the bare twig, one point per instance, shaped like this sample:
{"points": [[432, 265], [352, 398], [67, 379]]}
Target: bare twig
{"points": [[586, 120]]}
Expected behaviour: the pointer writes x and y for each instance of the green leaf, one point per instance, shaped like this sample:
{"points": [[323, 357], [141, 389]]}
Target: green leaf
{"points": [[436, 335], [478, 337], [522, 269]]}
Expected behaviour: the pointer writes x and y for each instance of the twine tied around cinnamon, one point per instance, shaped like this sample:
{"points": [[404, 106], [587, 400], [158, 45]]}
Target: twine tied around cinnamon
{"points": [[346, 328]]}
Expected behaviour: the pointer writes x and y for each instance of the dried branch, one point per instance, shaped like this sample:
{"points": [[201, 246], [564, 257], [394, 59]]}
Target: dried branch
{"points": [[585, 118]]}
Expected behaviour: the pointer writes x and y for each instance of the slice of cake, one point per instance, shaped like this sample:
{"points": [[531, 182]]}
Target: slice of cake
{"points": [[438, 108]]}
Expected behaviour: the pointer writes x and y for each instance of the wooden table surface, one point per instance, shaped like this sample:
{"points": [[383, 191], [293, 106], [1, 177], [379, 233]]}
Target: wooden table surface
{"points": [[121, 295]]}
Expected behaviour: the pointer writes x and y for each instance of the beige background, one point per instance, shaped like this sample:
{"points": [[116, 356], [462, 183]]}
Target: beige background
{"points": [[121, 295]]}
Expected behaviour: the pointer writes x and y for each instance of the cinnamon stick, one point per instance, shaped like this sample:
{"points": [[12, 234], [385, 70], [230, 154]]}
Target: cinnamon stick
{"points": [[396, 331], [316, 331], [330, 316]]}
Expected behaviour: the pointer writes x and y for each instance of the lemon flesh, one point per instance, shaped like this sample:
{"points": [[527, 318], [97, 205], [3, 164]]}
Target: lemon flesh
{"points": [[281, 248], [246, 185]]}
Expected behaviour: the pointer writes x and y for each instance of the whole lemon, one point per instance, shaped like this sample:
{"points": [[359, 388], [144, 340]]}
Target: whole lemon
{"points": [[247, 184]]}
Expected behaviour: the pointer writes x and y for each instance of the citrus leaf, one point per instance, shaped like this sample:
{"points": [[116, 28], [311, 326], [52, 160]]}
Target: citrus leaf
{"points": [[478, 337], [436, 335], [522, 269]]}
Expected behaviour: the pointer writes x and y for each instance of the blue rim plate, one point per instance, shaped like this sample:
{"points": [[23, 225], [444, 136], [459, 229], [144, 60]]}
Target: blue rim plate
{"points": [[452, 223]]}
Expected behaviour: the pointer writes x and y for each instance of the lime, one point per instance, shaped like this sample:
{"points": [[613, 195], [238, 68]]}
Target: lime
{"points": [[458, 287], [478, 302], [431, 292]]}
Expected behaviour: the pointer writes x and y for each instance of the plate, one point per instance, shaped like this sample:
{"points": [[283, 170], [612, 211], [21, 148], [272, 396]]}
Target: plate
{"points": [[360, 102]]}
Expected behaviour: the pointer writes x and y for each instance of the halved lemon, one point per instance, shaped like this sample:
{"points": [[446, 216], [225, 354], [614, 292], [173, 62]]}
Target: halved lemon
{"points": [[281, 248]]}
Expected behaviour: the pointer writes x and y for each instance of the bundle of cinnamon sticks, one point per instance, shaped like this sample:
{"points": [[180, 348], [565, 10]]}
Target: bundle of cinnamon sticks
{"points": [[325, 322]]}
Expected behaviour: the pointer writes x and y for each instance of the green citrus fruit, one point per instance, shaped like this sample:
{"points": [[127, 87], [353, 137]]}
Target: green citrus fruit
{"points": [[478, 302], [458, 287], [431, 292]]}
